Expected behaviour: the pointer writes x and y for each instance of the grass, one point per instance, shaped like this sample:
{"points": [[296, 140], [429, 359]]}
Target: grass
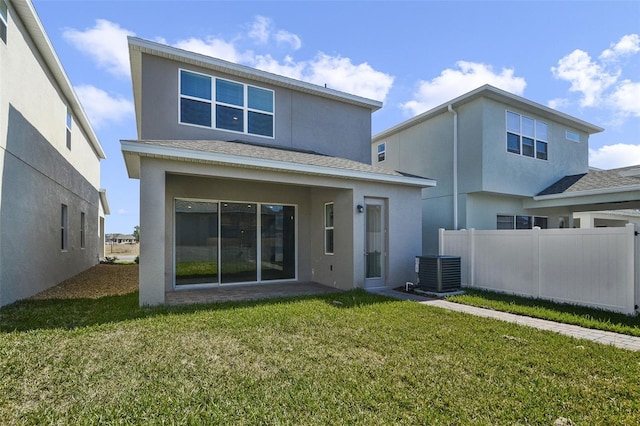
{"points": [[344, 358], [537, 308]]}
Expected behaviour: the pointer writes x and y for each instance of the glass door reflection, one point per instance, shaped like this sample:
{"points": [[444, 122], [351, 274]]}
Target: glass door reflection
{"points": [[238, 244]]}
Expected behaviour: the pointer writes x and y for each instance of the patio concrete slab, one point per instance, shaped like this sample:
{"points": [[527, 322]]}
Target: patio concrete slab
{"points": [[246, 292], [605, 337]]}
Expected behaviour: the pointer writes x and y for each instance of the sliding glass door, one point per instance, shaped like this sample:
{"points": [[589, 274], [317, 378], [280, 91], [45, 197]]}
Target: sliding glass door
{"points": [[278, 242], [196, 242], [231, 242]]}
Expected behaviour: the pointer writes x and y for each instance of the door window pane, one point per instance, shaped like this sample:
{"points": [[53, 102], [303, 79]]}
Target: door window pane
{"points": [[278, 242], [196, 242], [239, 242], [374, 241]]}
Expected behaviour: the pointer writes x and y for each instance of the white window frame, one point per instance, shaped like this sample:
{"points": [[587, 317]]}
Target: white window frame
{"points": [[382, 152], [68, 125], [536, 138], [83, 229], [329, 228], [213, 102], [64, 227], [514, 220], [572, 136]]}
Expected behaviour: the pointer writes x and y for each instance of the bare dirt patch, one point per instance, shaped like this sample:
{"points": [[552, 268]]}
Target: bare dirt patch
{"points": [[122, 249], [96, 282]]}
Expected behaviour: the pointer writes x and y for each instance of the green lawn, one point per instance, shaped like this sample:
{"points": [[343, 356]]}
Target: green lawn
{"points": [[536, 308], [347, 358]]}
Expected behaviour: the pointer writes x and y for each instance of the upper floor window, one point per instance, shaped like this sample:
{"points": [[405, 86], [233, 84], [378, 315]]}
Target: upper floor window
{"points": [[572, 136], [3, 21], [69, 123], [526, 136], [224, 104], [382, 152]]}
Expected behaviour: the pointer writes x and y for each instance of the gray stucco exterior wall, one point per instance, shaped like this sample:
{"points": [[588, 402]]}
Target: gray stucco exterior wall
{"points": [[36, 181], [302, 121]]}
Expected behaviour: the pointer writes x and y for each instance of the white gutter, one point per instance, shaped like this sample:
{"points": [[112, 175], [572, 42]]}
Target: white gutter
{"points": [[455, 166]]}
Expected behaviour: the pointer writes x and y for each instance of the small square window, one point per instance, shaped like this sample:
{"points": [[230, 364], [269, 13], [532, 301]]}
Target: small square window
{"points": [[572, 136], [523, 222], [228, 92]]}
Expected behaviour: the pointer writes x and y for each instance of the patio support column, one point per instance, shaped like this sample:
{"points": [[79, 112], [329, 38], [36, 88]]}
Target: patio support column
{"points": [[152, 233]]}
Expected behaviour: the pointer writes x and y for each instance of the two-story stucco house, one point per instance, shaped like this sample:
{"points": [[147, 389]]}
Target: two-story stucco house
{"points": [[502, 162], [51, 208], [248, 177]]}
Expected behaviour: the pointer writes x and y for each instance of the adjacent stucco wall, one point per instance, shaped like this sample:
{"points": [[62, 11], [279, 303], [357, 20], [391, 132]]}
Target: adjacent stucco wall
{"points": [[507, 173], [36, 181], [39, 174], [164, 180], [302, 121]]}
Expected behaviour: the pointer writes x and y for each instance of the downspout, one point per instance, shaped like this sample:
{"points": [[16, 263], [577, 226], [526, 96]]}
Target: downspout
{"points": [[455, 167]]}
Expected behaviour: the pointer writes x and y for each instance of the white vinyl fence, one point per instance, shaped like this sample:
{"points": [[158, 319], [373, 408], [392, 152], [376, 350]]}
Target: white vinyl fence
{"points": [[597, 267]]}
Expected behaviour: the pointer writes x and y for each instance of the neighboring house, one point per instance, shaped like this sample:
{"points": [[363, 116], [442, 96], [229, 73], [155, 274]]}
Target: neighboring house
{"points": [[251, 177], [501, 162], [120, 239], [51, 208]]}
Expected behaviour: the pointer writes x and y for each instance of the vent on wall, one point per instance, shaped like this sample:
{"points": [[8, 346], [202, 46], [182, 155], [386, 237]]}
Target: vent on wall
{"points": [[438, 274]]}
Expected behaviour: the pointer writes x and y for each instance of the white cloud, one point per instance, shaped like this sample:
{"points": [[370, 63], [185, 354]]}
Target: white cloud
{"points": [[260, 29], [214, 47], [122, 211], [285, 37], [335, 72], [626, 98], [585, 76], [558, 103], [599, 82], [614, 156], [452, 83], [628, 45], [105, 43], [102, 108]]}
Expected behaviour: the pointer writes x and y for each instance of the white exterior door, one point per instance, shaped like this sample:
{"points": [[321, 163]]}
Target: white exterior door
{"points": [[375, 245]]}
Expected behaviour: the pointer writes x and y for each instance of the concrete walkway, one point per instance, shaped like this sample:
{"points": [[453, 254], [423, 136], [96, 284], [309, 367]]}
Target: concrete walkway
{"points": [[605, 337]]}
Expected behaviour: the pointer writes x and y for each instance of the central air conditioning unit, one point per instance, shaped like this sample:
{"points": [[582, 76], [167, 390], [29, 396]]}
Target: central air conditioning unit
{"points": [[438, 273]]}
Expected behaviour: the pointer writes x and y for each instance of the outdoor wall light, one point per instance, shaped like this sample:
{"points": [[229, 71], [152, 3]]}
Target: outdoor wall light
{"points": [[360, 208]]}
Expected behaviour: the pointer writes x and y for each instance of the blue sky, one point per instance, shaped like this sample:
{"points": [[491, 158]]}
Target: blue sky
{"points": [[579, 57]]}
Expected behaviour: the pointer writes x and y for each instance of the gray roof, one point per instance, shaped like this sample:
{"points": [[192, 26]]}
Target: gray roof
{"points": [[241, 154], [499, 95], [595, 180]]}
